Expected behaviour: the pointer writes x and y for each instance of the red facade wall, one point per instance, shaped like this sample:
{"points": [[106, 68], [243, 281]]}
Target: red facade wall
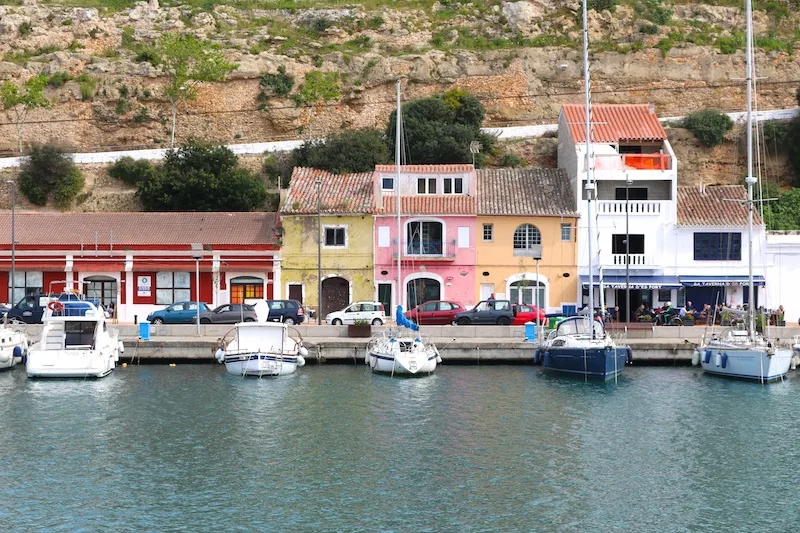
{"points": [[50, 277]]}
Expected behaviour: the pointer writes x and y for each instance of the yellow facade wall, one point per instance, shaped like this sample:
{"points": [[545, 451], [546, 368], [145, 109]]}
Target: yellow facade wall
{"points": [[353, 262], [557, 266]]}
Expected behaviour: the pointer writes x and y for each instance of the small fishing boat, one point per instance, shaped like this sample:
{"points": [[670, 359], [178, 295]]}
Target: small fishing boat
{"points": [[13, 346], [75, 343], [581, 347], [261, 349]]}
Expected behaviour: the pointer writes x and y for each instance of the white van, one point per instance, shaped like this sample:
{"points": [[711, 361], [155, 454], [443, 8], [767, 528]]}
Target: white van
{"points": [[371, 312]]}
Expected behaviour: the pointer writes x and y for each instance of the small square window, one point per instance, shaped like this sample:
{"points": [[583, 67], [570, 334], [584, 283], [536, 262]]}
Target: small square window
{"points": [[488, 232], [334, 236], [387, 184], [426, 185], [664, 295], [566, 232]]}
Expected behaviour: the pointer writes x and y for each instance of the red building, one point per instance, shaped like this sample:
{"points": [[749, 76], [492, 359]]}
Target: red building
{"points": [[142, 261]]}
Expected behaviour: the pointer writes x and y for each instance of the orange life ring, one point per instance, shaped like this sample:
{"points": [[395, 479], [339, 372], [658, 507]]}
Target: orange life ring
{"points": [[55, 306]]}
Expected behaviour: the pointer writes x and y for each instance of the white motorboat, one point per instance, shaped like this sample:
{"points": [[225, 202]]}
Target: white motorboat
{"points": [[261, 349], [795, 352], [75, 343], [392, 352], [13, 346], [745, 353]]}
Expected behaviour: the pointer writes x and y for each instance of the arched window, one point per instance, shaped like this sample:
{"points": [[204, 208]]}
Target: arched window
{"points": [[527, 240]]}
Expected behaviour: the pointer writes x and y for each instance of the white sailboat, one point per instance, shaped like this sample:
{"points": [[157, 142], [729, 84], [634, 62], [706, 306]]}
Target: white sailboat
{"points": [[391, 352], [745, 353], [580, 346]]}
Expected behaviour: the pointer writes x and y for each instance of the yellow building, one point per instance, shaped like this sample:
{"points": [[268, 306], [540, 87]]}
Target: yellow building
{"points": [[524, 214], [345, 224]]}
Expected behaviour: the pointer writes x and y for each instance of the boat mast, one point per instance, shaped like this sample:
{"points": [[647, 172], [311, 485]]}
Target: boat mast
{"points": [[397, 191], [750, 179], [589, 186]]}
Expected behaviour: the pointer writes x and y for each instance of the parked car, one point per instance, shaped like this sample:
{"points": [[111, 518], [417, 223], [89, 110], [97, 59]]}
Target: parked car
{"points": [[3, 310], [434, 312], [229, 314], [524, 313], [177, 313], [31, 308], [288, 311], [487, 312], [372, 312]]}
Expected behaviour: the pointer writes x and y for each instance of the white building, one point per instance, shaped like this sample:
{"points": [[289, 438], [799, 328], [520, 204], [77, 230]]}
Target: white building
{"points": [[782, 260]]}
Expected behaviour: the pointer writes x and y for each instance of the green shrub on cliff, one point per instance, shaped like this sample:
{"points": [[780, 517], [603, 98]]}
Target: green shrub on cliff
{"points": [[48, 169], [340, 153], [708, 125], [131, 171]]}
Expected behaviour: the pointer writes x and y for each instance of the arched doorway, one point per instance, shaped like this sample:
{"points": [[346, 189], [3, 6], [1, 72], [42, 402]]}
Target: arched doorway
{"points": [[244, 287], [102, 289], [421, 290], [335, 295]]}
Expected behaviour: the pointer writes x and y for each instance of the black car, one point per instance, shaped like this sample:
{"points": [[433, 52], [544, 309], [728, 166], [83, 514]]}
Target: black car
{"points": [[289, 311]]}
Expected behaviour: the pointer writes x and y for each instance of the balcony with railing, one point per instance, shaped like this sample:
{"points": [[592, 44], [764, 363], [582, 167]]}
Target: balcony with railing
{"points": [[634, 207], [427, 250], [635, 166], [619, 260]]}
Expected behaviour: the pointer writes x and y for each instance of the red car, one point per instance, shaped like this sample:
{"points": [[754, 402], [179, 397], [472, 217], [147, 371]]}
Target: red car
{"points": [[527, 313], [434, 312]]}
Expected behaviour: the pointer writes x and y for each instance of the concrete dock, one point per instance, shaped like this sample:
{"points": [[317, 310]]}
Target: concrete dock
{"points": [[664, 345]]}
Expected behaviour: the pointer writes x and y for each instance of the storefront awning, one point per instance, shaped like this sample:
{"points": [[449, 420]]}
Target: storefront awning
{"points": [[720, 281], [636, 282]]}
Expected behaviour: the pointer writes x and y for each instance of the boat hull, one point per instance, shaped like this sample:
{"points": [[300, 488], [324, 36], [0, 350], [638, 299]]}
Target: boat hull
{"points": [[13, 350], [745, 363], [262, 364], [69, 363], [422, 364], [596, 363]]}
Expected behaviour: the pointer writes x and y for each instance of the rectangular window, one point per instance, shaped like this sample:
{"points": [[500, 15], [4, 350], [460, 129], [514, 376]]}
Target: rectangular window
{"points": [[387, 184], [718, 246], [426, 185], [488, 232], [25, 283], [383, 237], [173, 287], [618, 244], [634, 193], [453, 185], [566, 232], [335, 237], [664, 295]]}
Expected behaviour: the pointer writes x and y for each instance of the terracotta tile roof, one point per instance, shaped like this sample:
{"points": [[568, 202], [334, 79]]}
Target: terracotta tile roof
{"points": [[525, 192], [425, 169], [612, 123], [339, 194], [718, 205], [140, 228], [430, 205]]}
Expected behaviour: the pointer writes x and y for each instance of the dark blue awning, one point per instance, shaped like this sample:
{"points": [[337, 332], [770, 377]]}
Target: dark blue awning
{"points": [[720, 281], [637, 282]]}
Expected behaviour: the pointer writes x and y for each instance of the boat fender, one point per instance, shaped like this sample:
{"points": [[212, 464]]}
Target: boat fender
{"points": [[537, 356], [630, 355], [121, 347], [707, 358], [724, 360], [301, 361], [220, 355], [303, 351], [696, 358], [17, 351], [718, 359]]}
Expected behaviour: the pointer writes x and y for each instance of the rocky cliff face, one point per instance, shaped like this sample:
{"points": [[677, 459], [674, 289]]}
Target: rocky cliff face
{"points": [[521, 58]]}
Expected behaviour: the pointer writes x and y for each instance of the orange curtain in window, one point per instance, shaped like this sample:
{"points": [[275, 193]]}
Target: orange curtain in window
{"points": [[240, 292]]}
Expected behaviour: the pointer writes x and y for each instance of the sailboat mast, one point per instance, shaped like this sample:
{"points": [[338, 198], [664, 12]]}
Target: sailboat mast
{"points": [[589, 187], [750, 179], [397, 191]]}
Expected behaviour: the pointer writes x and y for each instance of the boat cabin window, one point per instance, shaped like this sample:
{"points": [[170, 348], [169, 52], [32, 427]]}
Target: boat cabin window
{"points": [[79, 333], [579, 326]]}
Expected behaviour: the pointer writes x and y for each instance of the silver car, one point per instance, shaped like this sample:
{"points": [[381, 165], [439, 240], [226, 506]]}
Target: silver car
{"points": [[229, 314]]}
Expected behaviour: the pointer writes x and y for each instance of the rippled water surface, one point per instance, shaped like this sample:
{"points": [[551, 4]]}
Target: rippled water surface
{"points": [[337, 448]]}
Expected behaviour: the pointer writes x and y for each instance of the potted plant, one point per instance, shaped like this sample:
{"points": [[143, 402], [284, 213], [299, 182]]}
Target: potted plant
{"points": [[760, 323], [359, 328], [726, 318]]}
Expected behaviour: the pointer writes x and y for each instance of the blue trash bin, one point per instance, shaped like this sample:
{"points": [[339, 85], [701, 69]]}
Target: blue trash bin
{"points": [[530, 331], [144, 330]]}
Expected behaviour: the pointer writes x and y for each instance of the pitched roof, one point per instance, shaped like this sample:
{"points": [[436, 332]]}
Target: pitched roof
{"points": [[339, 194], [525, 192], [426, 169], [613, 123], [455, 204], [122, 229], [718, 205]]}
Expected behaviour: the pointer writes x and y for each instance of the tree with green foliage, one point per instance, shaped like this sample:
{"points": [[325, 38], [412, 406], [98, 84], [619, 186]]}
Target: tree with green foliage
{"points": [[48, 169], [18, 100], [784, 213], [793, 148], [708, 125], [439, 130], [131, 171], [347, 151], [201, 176], [187, 62]]}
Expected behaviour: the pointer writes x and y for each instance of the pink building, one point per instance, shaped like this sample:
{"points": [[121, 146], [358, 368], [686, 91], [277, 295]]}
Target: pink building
{"points": [[438, 217]]}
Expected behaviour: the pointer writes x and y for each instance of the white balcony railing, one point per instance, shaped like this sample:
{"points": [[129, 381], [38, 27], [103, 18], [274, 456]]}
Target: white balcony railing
{"points": [[635, 260], [635, 207]]}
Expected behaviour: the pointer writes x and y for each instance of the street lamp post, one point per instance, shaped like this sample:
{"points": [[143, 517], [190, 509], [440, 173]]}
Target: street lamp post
{"points": [[197, 254], [13, 185], [319, 253], [628, 183]]}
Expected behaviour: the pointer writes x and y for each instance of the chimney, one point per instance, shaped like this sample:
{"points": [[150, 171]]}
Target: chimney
{"points": [[651, 108], [702, 188]]}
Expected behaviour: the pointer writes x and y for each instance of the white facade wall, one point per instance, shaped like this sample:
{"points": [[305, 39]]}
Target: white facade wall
{"points": [[782, 262]]}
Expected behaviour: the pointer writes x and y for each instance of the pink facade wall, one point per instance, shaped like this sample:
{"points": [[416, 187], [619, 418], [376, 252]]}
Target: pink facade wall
{"points": [[455, 270]]}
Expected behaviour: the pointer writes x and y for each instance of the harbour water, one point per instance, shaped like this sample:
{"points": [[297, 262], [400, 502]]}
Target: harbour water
{"points": [[500, 448]]}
